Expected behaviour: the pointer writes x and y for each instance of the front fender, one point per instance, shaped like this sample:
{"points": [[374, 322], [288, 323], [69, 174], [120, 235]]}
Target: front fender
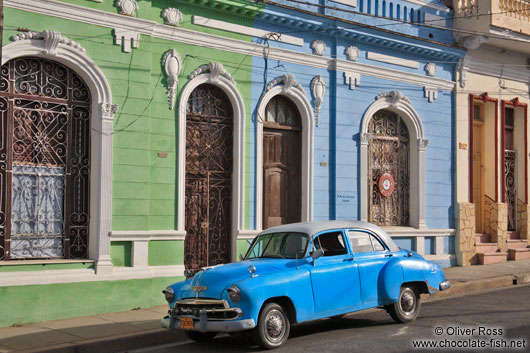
{"points": [[294, 284], [390, 280]]}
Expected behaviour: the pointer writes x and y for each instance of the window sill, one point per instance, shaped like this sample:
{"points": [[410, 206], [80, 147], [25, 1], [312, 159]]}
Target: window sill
{"points": [[43, 262]]}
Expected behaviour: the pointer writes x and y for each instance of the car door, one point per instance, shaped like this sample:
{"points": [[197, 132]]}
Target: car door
{"points": [[334, 276], [370, 255]]}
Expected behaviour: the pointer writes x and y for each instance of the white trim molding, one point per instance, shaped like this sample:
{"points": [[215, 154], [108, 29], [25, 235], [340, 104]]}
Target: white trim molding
{"points": [[394, 60], [70, 54], [178, 34], [396, 102], [249, 31], [288, 86], [215, 74], [10, 279], [146, 235]]}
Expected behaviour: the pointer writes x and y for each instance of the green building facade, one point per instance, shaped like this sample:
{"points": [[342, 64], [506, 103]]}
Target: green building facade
{"points": [[135, 58]]}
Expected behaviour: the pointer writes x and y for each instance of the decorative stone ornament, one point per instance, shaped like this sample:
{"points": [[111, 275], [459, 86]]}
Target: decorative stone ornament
{"points": [[318, 47], [394, 97], [215, 69], [51, 39], [472, 42], [352, 79], [318, 88], [173, 66], [430, 69], [172, 16], [352, 53], [288, 82], [127, 7], [108, 110]]}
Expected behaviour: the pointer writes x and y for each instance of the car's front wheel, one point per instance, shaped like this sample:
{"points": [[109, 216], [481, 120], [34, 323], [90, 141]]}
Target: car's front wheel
{"points": [[407, 308], [273, 327], [200, 336]]}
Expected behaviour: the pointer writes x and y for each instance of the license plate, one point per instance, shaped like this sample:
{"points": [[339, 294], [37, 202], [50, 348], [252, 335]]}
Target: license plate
{"points": [[186, 323]]}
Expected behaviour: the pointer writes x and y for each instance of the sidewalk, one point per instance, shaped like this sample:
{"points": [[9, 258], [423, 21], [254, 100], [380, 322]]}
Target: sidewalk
{"points": [[125, 330]]}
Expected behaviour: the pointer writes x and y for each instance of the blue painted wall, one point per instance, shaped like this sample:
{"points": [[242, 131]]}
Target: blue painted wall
{"points": [[336, 139]]}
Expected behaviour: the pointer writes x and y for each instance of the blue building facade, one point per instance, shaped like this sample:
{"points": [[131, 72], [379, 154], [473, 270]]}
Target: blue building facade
{"points": [[360, 67]]}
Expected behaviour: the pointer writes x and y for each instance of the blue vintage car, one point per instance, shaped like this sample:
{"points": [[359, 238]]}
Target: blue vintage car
{"points": [[300, 272]]}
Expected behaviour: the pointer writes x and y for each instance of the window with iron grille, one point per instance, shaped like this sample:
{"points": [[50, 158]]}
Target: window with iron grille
{"points": [[44, 161]]}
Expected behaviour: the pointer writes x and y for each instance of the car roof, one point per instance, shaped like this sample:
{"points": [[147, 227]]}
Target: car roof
{"points": [[316, 227]]}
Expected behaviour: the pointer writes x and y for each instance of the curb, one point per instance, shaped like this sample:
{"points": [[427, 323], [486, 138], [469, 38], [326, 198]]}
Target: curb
{"points": [[480, 285], [120, 343]]}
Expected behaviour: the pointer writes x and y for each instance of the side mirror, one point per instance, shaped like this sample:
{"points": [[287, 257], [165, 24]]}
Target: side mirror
{"points": [[316, 254], [241, 257]]}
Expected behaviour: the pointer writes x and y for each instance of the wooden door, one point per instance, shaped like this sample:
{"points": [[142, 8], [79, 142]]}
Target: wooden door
{"points": [[478, 178], [281, 177]]}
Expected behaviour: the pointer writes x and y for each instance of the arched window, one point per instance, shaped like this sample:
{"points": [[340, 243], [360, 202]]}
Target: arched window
{"points": [[45, 161]]}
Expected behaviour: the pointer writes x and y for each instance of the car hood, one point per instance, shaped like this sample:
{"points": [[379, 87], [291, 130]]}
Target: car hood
{"points": [[213, 281]]}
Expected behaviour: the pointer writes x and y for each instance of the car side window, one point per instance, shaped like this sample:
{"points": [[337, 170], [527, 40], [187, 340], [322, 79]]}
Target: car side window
{"points": [[364, 242], [332, 243]]}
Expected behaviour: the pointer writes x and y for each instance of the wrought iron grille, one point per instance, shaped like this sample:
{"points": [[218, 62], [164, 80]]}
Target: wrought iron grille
{"points": [[209, 132], [45, 161], [389, 153], [510, 159]]}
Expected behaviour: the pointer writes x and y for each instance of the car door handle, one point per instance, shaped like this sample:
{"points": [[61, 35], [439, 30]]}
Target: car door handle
{"points": [[389, 255], [348, 259]]}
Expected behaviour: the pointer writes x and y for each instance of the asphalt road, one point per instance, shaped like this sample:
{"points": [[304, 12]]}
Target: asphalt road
{"points": [[498, 318]]}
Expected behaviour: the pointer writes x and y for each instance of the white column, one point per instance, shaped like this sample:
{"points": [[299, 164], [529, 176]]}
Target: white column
{"points": [[364, 139]]}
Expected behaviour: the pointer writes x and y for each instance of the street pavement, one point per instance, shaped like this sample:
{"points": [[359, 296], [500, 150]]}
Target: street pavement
{"points": [[134, 329], [498, 318]]}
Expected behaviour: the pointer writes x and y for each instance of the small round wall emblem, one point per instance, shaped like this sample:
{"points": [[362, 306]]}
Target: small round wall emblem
{"points": [[386, 184]]}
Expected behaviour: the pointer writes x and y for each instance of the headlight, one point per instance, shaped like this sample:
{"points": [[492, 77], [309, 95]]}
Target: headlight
{"points": [[169, 293], [234, 293]]}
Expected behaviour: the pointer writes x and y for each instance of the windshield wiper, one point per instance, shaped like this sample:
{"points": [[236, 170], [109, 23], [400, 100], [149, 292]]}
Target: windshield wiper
{"points": [[273, 255]]}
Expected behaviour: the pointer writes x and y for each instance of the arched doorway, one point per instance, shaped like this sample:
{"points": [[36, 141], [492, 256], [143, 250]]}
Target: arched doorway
{"points": [[388, 170], [208, 185], [45, 150], [281, 163]]}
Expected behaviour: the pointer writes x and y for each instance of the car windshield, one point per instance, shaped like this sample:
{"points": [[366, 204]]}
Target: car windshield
{"points": [[286, 245]]}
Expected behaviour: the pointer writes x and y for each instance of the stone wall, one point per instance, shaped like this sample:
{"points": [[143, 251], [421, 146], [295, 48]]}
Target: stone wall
{"points": [[522, 219], [465, 236], [496, 221]]}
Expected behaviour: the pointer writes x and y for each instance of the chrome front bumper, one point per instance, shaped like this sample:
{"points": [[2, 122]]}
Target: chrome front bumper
{"points": [[445, 285], [203, 325]]}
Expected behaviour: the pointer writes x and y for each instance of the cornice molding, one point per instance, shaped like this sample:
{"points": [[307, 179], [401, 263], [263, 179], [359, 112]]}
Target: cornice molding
{"points": [[178, 34], [478, 66]]}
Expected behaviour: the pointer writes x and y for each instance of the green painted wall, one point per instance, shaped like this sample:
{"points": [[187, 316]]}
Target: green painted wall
{"points": [[166, 252], [23, 304], [144, 184], [45, 266], [242, 247], [120, 253]]}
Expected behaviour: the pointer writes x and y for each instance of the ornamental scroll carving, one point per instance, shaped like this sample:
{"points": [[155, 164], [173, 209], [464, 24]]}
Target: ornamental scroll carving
{"points": [[318, 88], [51, 39], [288, 81], [215, 69], [172, 65], [394, 97]]}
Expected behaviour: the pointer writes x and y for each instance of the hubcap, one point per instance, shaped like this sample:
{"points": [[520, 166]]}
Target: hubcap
{"points": [[408, 301], [275, 326]]}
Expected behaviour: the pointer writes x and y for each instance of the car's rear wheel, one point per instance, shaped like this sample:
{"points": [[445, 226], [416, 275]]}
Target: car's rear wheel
{"points": [[408, 306], [200, 336], [273, 327]]}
